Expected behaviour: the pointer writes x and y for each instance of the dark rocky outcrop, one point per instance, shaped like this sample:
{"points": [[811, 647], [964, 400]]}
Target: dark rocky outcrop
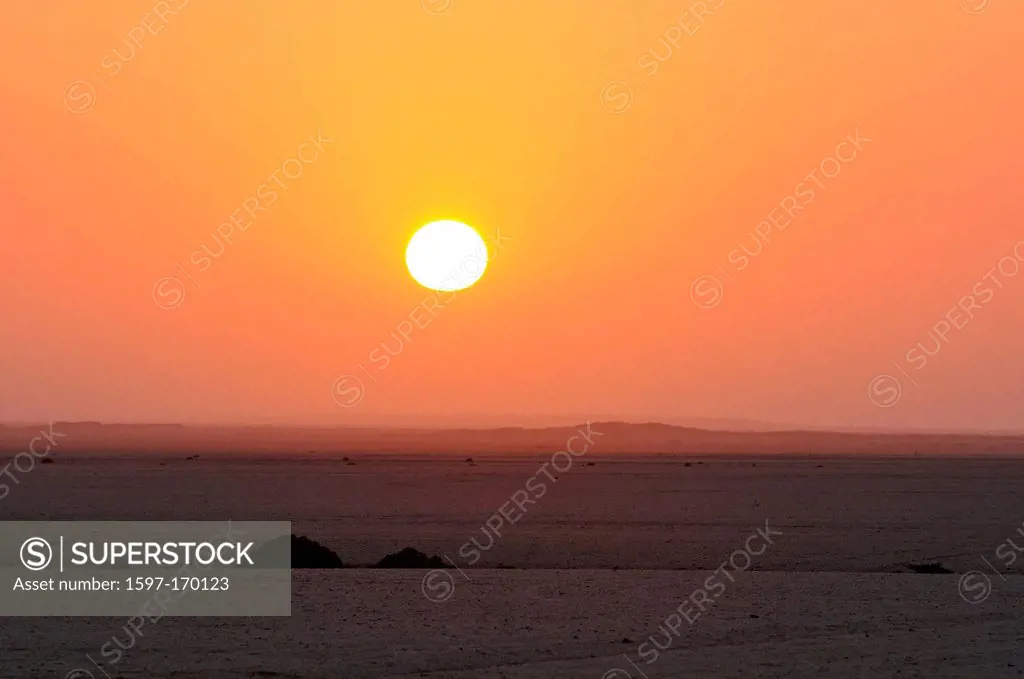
{"points": [[929, 568], [308, 553], [411, 558], [305, 553]]}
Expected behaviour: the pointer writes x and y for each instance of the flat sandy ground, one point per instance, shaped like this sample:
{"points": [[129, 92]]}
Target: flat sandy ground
{"points": [[601, 560], [556, 624]]}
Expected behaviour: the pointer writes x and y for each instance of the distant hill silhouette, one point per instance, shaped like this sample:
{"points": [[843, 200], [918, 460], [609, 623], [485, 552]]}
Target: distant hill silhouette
{"points": [[608, 438]]}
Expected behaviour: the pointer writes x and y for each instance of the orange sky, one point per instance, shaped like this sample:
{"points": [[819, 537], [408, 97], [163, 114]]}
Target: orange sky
{"points": [[619, 183]]}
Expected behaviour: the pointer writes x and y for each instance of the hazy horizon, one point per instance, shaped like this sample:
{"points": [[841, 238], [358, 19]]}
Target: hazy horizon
{"points": [[442, 423]]}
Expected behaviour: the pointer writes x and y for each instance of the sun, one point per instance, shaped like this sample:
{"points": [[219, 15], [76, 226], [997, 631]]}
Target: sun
{"points": [[446, 256]]}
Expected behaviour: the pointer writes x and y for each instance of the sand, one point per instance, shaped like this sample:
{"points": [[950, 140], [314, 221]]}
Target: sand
{"points": [[840, 515], [551, 624], [602, 559]]}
